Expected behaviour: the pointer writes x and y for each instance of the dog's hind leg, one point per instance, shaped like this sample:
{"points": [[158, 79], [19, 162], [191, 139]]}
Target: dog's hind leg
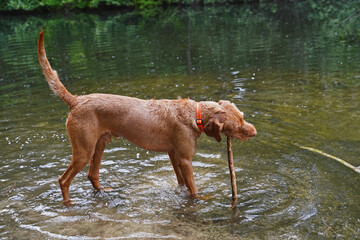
{"points": [[79, 160], [95, 162], [83, 148]]}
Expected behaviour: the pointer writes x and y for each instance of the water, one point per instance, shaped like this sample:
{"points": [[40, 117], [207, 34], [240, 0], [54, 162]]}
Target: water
{"points": [[296, 81]]}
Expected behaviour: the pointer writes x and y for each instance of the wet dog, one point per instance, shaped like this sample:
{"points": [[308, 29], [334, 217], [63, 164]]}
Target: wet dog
{"points": [[171, 126]]}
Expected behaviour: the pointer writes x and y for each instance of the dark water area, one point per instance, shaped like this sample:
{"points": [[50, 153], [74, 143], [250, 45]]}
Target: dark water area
{"points": [[297, 80]]}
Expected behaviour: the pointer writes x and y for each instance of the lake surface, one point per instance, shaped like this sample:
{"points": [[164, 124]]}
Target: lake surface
{"points": [[296, 80]]}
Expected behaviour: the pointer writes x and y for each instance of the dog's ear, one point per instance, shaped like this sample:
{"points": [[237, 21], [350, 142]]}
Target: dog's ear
{"points": [[213, 128]]}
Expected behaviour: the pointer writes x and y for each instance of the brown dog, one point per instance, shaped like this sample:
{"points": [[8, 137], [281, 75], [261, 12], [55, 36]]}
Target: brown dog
{"points": [[158, 125]]}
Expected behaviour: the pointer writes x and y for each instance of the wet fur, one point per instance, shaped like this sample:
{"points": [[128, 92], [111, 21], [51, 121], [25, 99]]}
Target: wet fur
{"points": [[157, 125]]}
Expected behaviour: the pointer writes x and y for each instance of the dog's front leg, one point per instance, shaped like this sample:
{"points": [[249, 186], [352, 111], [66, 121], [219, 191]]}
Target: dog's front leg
{"points": [[184, 164], [186, 169], [176, 167], [181, 157]]}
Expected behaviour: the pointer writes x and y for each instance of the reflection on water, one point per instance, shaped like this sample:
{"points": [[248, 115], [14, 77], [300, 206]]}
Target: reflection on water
{"points": [[294, 83]]}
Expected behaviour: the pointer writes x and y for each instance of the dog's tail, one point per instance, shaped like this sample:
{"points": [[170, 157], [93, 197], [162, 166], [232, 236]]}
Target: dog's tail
{"points": [[51, 75]]}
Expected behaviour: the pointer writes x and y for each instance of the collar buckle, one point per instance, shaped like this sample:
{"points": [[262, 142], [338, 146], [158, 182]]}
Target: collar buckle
{"points": [[199, 120]]}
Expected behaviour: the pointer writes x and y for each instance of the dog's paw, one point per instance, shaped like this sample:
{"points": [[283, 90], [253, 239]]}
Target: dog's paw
{"points": [[107, 189], [68, 203], [100, 192], [204, 197], [201, 197]]}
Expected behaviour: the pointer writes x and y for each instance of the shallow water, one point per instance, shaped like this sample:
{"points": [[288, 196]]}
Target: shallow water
{"points": [[295, 80]]}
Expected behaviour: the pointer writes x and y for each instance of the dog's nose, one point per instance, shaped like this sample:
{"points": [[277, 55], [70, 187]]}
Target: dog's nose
{"points": [[252, 131]]}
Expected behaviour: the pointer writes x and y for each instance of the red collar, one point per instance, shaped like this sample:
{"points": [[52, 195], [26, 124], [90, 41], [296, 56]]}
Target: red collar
{"points": [[199, 121]]}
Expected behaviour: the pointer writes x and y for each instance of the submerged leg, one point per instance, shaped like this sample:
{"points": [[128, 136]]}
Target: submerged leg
{"points": [[186, 169], [79, 160], [177, 170], [83, 142], [95, 162]]}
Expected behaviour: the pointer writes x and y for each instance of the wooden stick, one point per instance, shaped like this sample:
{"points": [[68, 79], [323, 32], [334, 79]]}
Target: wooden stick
{"points": [[232, 173], [356, 169]]}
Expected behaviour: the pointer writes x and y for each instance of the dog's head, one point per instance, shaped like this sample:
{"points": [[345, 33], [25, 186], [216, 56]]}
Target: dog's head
{"points": [[229, 121]]}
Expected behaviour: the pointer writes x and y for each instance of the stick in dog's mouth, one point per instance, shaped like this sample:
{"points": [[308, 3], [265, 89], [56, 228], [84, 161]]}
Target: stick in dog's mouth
{"points": [[232, 173]]}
